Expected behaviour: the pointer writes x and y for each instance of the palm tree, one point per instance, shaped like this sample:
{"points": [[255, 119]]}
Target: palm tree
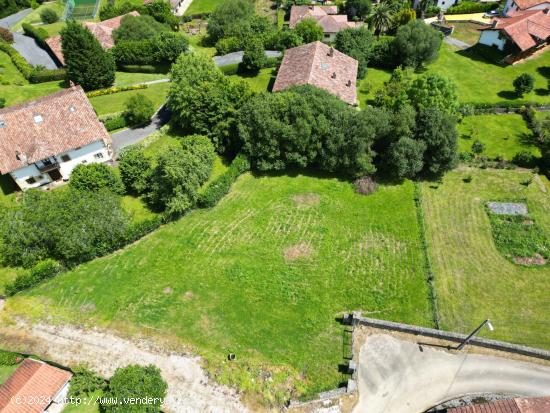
{"points": [[381, 18]]}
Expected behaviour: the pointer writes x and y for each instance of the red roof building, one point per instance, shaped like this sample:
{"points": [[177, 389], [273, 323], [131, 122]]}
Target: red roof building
{"points": [[322, 66], [102, 31], [513, 6], [33, 387], [327, 17], [531, 405]]}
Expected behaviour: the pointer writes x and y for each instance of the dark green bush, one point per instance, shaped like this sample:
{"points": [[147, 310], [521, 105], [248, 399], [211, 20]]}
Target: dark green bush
{"points": [[49, 16], [7, 358], [525, 159], [115, 122], [218, 188], [37, 33], [139, 229], [139, 110], [466, 7], [6, 35], [135, 169], [46, 75], [43, 270], [95, 177], [85, 382]]}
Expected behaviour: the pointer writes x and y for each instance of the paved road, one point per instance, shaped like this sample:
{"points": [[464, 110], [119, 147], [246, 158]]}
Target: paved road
{"points": [[134, 135], [12, 19], [458, 43], [237, 57], [396, 376]]}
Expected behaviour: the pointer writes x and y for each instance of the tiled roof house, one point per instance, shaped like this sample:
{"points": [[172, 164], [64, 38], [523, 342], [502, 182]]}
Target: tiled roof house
{"points": [[33, 388], [522, 33], [530, 405], [513, 6], [322, 66], [43, 140], [327, 17], [102, 31]]}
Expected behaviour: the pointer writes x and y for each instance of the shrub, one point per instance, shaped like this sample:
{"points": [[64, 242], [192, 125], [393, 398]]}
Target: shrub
{"points": [[135, 381], [478, 147], [365, 185], [219, 187], [43, 270], [139, 229], [7, 358], [37, 33], [254, 56], [111, 90], [139, 110], [382, 54], [417, 44], [115, 122], [6, 35], [467, 7], [84, 382], [39, 75], [95, 177], [135, 169], [49, 16], [525, 159], [138, 28], [523, 84], [228, 45]]}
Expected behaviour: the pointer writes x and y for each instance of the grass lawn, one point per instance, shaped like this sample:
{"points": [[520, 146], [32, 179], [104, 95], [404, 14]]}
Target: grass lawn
{"points": [[263, 274], [474, 281], [477, 80], [202, 6], [6, 372], [504, 135], [466, 31], [34, 16], [54, 28], [116, 102], [87, 405], [196, 44], [129, 78], [260, 82]]}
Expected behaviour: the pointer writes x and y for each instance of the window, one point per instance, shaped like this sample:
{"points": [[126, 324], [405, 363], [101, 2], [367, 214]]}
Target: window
{"points": [[31, 180], [65, 158], [98, 155]]}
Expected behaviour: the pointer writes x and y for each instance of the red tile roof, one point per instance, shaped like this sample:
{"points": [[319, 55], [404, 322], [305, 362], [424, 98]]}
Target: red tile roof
{"points": [[32, 387], [527, 4], [102, 31], [525, 28], [47, 126], [531, 405], [327, 17], [322, 66]]}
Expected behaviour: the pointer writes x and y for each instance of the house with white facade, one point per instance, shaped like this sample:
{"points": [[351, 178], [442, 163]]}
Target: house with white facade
{"points": [[513, 6], [43, 140]]}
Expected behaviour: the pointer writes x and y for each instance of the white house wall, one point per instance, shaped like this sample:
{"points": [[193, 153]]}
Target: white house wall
{"points": [[445, 4], [491, 38], [92, 153]]}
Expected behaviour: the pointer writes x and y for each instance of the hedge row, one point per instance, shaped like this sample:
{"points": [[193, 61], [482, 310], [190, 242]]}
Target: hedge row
{"points": [[218, 188], [111, 90], [37, 33], [139, 229], [43, 270], [114, 122], [32, 74], [466, 7]]}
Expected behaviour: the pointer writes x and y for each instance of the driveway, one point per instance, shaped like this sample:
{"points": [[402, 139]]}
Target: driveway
{"points": [[237, 57], [133, 135], [397, 376], [12, 19]]}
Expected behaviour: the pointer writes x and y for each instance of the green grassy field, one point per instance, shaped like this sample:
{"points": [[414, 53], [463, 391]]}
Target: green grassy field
{"points": [[116, 102], [473, 280], [202, 6], [477, 81], [5, 372], [503, 135], [466, 31], [34, 16], [128, 78], [260, 82], [263, 275]]}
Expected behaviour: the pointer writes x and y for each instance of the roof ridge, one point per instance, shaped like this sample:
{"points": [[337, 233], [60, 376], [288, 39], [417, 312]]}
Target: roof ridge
{"points": [[313, 55]]}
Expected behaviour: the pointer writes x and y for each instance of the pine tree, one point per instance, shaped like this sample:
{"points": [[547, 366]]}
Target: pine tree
{"points": [[87, 63]]}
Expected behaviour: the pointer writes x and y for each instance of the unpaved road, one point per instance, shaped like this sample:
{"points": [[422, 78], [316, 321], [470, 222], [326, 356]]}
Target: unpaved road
{"points": [[397, 376], [189, 389]]}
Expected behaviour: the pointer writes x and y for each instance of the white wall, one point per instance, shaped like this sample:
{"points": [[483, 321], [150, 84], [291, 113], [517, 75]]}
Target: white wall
{"points": [[91, 153], [445, 4], [490, 38]]}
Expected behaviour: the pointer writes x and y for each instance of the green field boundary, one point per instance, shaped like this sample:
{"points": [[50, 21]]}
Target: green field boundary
{"points": [[430, 277]]}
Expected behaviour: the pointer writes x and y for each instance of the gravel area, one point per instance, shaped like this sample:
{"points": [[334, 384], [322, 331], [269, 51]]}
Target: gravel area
{"points": [[507, 208]]}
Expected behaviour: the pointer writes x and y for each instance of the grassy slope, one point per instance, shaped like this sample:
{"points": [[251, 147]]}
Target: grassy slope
{"points": [[116, 101], [467, 32], [477, 81], [503, 135], [473, 280], [34, 16], [233, 290], [202, 6], [5, 372]]}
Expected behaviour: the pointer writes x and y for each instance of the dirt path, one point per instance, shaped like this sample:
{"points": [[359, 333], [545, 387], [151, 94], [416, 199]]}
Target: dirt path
{"points": [[189, 389]]}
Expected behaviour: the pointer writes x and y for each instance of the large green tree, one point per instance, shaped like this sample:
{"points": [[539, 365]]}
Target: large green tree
{"points": [[226, 16], [381, 18], [309, 30], [135, 169], [358, 9], [138, 28], [254, 57], [95, 177], [433, 91], [417, 44], [87, 63], [356, 43], [205, 101]]}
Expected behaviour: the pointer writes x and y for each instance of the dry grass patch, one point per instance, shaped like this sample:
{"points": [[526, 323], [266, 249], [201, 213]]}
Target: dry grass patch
{"points": [[306, 200], [298, 251]]}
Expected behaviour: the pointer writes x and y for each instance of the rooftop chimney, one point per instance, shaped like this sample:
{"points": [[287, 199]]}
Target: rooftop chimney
{"points": [[333, 75], [349, 83], [331, 52]]}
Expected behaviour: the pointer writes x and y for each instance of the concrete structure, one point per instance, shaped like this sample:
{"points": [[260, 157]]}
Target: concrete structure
{"points": [[35, 387], [327, 17], [42, 141], [322, 66]]}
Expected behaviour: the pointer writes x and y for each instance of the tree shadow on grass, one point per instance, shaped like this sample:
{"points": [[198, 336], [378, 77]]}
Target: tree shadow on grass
{"points": [[542, 92], [544, 71], [508, 94], [483, 53]]}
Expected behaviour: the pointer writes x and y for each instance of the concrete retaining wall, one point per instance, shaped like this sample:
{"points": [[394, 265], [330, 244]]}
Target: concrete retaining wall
{"points": [[447, 335]]}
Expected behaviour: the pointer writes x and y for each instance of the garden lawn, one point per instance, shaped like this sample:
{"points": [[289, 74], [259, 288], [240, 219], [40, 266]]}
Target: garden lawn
{"points": [[263, 274], [474, 281], [88, 404], [34, 16], [477, 80], [504, 135], [467, 32], [259, 82], [202, 6], [116, 102], [130, 78], [6, 372]]}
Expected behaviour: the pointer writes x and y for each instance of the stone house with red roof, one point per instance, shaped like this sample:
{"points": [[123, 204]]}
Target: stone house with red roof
{"points": [[35, 387], [102, 31], [327, 17], [322, 66], [43, 140], [513, 6], [520, 34], [517, 405]]}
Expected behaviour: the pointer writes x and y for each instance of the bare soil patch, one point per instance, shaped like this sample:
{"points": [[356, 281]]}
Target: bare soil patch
{"points": [[168, 291], [307, 200], [536, 259], [189, 388], [298, 251]]}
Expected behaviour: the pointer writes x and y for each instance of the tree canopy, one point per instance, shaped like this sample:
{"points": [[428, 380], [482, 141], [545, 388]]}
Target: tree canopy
{"points": [[417, 44], [226, 16], [309, 30], [356, 43], [95, 177], [138, 28], [358, 9]]}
